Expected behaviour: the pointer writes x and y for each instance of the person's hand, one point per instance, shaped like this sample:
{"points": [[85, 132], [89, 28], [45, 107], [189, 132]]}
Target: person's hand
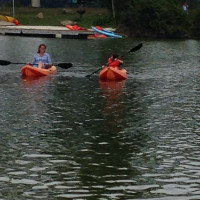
{"points": [[46, 66], [28, 63]]}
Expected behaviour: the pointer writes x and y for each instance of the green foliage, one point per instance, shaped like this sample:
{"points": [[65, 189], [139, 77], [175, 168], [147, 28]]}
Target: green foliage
{"points": [[103, 20], [94, 20], [155, 17], [196, 21]]}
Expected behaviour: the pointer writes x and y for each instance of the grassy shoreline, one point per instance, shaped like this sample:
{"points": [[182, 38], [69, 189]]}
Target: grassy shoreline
{"points": [[54, 16]]}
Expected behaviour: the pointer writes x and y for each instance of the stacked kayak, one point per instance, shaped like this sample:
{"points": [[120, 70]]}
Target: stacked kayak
{"points": [[75, 28], [105, 32], [31, 71], [97, 35], [110, 73]]}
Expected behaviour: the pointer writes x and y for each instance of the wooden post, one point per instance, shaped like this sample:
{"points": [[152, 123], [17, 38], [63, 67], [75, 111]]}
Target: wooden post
{"points": [[13, 8], [113, 9]]}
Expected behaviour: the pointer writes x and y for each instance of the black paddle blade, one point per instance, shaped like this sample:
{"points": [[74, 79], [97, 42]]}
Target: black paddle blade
{"points": [[5, 62], [65, 65], [136, 48]]}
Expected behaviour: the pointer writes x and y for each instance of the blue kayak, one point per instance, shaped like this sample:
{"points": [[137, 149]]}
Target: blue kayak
{"points": [[107, 33]]}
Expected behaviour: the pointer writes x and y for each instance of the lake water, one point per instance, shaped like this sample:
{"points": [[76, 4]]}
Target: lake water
{"points": [[72, 137]]}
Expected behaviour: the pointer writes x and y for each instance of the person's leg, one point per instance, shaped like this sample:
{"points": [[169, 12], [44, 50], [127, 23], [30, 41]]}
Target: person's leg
{"points": [[40, 65]]}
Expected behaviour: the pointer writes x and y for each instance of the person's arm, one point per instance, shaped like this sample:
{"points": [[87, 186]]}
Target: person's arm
{"points": [[110, 60], [34, 62], [120, 61], [49, 61]]}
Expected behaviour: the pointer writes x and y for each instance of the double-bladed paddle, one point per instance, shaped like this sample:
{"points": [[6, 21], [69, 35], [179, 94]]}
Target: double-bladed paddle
{"points": [[61, 65], [134, 49]]}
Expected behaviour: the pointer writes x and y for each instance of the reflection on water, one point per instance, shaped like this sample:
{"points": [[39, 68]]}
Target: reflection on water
{"points": [[112, 93], [68, 137], [37, 81]]}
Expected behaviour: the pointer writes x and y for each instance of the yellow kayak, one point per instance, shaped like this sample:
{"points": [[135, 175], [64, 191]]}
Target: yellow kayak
{"points": [[9, 19]]}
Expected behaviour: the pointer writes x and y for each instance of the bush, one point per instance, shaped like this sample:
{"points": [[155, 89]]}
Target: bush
{"points": [[105, 20], [155, 17]]}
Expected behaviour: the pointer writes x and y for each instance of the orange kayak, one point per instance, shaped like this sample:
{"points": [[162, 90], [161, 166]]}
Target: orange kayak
{"points": [[110, 73], [28, 70]]}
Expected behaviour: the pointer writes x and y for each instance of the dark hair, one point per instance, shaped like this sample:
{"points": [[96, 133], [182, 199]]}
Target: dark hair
{"points": [[40, 46], [115, 56]]}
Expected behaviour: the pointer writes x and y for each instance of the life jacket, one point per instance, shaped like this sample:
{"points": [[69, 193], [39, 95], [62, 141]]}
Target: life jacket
{"points": [[114, 63]]}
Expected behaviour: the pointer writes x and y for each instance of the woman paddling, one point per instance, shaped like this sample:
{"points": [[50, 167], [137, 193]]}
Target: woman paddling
{"points": [[114, 61], [42, 59]]}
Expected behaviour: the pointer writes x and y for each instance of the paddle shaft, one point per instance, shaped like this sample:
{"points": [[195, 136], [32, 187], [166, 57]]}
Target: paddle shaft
{"points": [[61, 65]]}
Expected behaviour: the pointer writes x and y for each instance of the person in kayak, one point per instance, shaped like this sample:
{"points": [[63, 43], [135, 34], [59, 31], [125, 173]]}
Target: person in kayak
{"points": [[114, 61], [41, 59]]}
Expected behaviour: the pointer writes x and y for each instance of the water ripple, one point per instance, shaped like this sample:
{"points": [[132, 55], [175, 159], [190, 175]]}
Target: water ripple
{"points": [[69, 137]]}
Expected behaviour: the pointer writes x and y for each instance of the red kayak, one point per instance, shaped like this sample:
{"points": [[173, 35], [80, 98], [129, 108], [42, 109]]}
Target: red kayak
{"points": [[75, 28], [28, 70], [110, 73], [96, 35]]}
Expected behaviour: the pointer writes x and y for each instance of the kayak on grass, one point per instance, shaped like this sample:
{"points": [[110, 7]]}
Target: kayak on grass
{"points": [[9, 19], [110, 73], [105, 32], [28, 70]]}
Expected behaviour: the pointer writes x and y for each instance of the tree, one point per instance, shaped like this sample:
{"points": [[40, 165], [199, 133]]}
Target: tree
{"points": [[154, 17]]}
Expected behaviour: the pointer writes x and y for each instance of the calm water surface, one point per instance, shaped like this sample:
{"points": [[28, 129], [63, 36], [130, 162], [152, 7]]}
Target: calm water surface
{"points": [[70, 137]]}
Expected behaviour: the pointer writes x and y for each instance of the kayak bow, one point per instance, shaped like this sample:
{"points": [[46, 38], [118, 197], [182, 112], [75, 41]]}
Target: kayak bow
{"points": [[110, 73]]}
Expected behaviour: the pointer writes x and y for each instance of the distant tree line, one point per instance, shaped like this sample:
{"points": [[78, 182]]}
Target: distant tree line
{"points": [[58, 3], [157, 18]]}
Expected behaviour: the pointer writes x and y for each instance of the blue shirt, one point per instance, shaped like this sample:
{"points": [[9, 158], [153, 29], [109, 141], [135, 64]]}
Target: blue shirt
{"points": [[45, 59]]}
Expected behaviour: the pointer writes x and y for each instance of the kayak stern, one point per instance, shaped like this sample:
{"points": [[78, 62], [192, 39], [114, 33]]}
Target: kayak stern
{"points": [[30, 71]]}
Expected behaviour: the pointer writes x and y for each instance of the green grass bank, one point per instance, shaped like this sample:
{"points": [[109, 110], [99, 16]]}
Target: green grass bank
{"points": [[54, 16]]}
